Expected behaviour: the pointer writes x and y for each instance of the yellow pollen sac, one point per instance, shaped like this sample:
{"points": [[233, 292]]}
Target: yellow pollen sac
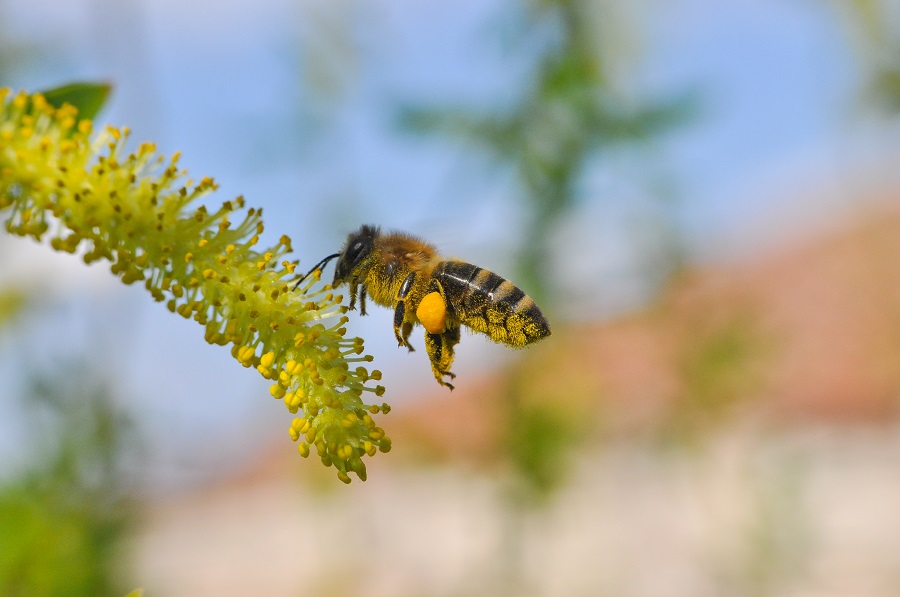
{"points": [[245, 354], [432, 312], [267, 359]]}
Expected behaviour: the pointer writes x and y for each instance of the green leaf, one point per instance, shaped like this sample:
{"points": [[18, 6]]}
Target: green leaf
{"points": [[87, 97]]}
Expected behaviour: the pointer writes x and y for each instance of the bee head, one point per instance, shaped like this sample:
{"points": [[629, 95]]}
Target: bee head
{"points": [[358, 247]]}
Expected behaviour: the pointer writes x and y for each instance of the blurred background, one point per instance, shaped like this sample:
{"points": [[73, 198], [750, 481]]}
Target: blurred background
{"points": [[702, 197]]}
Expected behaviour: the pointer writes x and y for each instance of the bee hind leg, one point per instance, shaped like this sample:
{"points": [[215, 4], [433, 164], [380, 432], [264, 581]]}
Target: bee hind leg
{"points": [[440, 351], [406, 330]]}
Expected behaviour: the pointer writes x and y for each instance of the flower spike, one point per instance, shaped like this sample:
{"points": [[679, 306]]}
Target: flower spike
{"points": [[85, 192]]}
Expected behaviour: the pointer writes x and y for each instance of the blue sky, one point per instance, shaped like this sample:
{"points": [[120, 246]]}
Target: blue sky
{"points": [[227, 83]]}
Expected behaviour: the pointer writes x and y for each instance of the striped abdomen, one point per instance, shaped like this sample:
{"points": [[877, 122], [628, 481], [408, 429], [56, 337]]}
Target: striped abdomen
{"points": [[489, 304]]}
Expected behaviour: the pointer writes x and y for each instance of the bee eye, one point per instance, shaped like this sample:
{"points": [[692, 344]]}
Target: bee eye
{"points": [[354, 250]]}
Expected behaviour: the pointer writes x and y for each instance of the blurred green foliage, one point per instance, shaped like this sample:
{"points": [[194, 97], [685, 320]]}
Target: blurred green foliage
{"points": [[539, 439], [570, 110], [63, 517], [719, 364], [875, 26]]}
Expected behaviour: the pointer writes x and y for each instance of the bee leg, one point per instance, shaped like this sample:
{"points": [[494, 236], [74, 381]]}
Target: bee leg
{"points": [[450, 339], [400, 312], [440, 351], [362, 301], [353, 289], [407, 329]]}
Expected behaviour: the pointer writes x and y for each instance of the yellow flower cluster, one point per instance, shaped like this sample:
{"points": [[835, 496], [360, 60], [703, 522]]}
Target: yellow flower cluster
{"points": [[88, 194]]}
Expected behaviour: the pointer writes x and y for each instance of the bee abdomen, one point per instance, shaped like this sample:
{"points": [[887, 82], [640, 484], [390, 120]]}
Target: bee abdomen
{"points": [[490, 304]]}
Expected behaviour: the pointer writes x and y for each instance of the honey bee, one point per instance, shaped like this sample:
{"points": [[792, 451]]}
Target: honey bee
{"points": [[405, 273]]}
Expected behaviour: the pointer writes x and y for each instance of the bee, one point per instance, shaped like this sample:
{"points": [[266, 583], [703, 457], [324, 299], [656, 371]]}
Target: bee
{"points": [[405, 273]]}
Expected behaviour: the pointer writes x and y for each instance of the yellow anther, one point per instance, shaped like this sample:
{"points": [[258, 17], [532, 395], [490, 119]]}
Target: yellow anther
{"points": [[245, 354], [267, 359]]}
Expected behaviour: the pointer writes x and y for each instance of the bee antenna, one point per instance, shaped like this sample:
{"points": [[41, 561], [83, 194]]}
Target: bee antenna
{"points": [[317, 266]]}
